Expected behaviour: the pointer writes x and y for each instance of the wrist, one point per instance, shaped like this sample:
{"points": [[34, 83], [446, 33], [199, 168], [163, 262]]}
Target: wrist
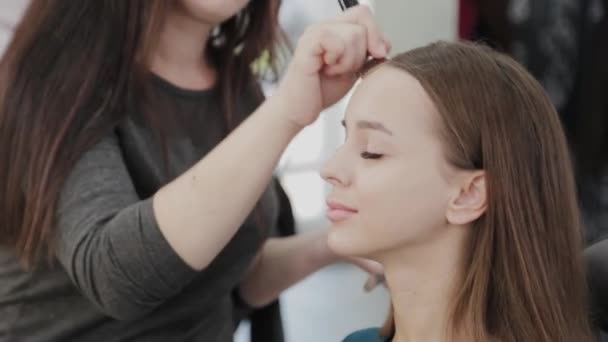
{"points": [[323, 255], [280, 108]]}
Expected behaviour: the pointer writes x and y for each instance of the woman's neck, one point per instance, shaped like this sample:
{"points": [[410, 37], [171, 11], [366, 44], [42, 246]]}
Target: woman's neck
{"points": [[179, 56], [422, 282]]}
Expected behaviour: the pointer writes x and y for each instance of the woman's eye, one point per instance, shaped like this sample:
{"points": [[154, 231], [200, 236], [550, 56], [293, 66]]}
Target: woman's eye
{"points": [[369, 155]]}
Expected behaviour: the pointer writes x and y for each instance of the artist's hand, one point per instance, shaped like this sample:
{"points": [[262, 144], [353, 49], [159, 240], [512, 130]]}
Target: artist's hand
{"points": [[373, 268], [326, 63]]}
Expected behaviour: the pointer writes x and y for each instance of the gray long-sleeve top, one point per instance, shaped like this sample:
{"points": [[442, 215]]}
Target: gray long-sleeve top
{"points": [[115, 277]]}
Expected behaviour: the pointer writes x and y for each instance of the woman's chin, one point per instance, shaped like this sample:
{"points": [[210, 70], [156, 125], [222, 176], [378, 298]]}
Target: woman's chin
{"points": [[346, 245]]}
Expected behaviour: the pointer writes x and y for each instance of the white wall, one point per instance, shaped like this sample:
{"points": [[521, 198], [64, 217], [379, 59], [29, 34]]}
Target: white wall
{"points": [[412, 23], [10, 12]]}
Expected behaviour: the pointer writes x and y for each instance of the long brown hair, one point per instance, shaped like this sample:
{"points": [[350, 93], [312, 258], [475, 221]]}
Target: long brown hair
{"points": [[65, 81], [524, 278]]}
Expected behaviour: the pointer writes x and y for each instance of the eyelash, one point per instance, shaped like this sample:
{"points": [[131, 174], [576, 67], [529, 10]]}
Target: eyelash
{"points": [[369, 155]]}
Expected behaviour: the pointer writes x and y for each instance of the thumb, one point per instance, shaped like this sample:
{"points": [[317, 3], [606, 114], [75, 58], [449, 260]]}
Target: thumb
{"points": [[370, 266]]}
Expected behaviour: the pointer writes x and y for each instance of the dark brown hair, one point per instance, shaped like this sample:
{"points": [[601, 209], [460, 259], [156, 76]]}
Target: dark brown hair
{"points": [[524, 278], [65, 81]]}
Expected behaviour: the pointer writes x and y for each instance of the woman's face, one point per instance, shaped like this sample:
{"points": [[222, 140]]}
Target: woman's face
{"points": [[391, 182], [212, 12]]}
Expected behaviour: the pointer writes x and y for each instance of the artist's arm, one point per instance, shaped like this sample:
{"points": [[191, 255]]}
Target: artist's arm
{"points": [[325, 66], [283, 262]]}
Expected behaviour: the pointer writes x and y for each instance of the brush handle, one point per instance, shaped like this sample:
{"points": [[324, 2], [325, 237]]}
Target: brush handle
{"points": [[344, 4]]}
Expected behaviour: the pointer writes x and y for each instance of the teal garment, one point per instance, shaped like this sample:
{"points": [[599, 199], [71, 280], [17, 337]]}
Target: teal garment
{"points": [[367, 335]]}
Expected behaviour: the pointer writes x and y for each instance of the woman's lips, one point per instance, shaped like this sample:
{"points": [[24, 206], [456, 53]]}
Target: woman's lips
{"points": [[339, 212]]}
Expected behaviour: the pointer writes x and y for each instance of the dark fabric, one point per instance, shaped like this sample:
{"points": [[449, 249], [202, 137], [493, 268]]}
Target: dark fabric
{"points": [[467, 19], [493, 26], [115, 277], [266, 322], [592, 95], [563, 44], [596, 257], [588, 120]]}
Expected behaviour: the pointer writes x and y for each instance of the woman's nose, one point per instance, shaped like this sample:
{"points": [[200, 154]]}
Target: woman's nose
{"points": [[334, 170]]}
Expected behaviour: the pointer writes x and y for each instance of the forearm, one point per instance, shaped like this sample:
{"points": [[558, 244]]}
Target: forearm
{"points": [[200, 211], [283, 262]]}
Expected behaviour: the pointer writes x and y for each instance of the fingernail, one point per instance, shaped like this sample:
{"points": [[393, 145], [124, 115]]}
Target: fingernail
{"points": [[383, 51], [370, 284], [386, 42]]}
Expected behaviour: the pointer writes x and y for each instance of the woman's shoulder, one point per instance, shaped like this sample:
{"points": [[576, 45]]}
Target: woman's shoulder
{"points": [[366, 335]]}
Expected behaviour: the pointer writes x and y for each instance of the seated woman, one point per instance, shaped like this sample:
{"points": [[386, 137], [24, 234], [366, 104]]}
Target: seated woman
{"points": [[455, 176]]}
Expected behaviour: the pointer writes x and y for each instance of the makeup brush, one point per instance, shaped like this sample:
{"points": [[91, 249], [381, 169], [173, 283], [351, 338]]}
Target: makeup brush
{"points": [[344, 4]]}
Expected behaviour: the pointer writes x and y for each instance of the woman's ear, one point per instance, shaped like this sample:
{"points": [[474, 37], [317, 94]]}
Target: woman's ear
{"points": [[471, 201]]}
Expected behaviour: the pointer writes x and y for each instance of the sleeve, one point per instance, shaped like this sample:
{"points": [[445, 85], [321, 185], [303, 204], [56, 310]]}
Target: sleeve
{"points": [[108, 240]]}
